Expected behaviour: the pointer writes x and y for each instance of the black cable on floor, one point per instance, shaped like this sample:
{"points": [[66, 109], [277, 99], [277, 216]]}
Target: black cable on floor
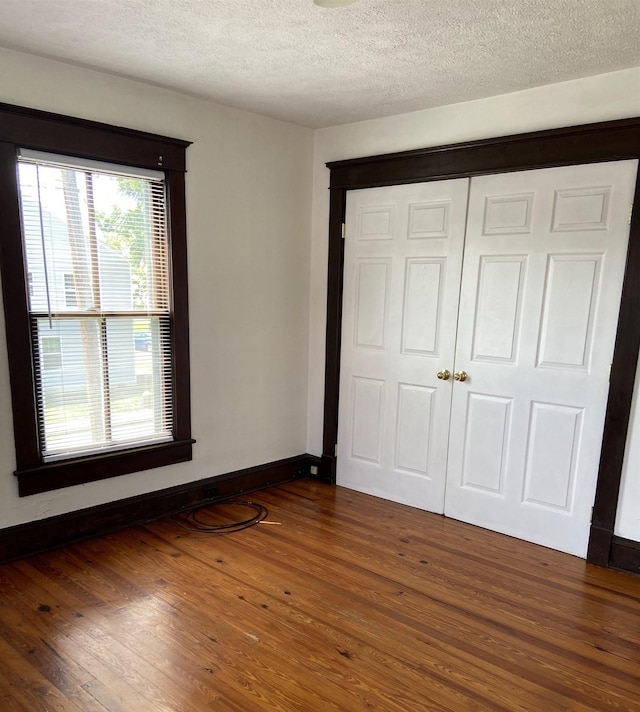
{"points": [[194, 521]]}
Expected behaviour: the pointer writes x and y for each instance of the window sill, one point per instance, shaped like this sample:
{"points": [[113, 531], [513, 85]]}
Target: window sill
{"points": [[66, 473]]}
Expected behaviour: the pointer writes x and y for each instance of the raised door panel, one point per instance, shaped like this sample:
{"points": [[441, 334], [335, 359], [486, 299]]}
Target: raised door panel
{"points": [[507, 214], [579, 209], [496, 327], [422, 308], [553, 450], [429, 220], [375, 222], [572, 286], [484, 447], [414, 427], [371, 301], [367, 418]]}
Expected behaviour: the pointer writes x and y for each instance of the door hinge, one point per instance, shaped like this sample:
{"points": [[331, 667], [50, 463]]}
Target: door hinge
{"points": [[630, 214], [610, 366], [335, 450], [344, 231]]}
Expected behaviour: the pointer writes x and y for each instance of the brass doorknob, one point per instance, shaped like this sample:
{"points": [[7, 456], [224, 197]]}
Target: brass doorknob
{"points": [[444, 375], [460, 376]]}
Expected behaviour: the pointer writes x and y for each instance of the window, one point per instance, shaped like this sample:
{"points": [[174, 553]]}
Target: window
{"points": [[107, 223], [98, 338]]}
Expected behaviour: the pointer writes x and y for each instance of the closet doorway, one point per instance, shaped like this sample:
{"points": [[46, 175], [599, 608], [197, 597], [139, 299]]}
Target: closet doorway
{"points": [[479, 321], [609, 142]]}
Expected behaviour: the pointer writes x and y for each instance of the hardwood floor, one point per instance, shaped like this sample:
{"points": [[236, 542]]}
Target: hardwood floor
{"points": [[339, 601]]}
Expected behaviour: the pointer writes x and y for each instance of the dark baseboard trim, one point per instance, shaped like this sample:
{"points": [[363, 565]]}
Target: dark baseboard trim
{"points": [[625, 555], [328, 469], [599, 545], [34, 537]]}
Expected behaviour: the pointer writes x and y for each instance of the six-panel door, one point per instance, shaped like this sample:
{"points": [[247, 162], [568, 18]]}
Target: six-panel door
{"points": [[403, 257], [544, 262]]}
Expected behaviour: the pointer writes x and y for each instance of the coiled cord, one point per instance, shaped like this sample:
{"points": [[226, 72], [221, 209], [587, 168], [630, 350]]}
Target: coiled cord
{"points": [[195, 521]]}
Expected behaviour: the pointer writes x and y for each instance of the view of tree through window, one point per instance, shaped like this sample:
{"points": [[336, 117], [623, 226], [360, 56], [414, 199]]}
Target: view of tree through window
{"points": [[124, 229]]}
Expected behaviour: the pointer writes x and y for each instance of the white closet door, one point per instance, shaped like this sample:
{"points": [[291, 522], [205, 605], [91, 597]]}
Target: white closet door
{"points": [[543, 269], [403, 257]]}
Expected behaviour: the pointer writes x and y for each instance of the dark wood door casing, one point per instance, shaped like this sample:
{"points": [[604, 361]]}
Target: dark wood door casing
{"points": [[591, 143]]}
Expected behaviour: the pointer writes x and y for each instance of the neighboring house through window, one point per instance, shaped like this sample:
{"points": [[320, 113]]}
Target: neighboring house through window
{"points": [[51, 356], [70, 297], [96, 263]]}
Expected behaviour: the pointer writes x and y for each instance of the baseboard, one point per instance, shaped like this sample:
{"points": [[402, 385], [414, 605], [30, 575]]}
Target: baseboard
{"points": [[328, 469], [625, 555], [34, 537], [599, 548]]}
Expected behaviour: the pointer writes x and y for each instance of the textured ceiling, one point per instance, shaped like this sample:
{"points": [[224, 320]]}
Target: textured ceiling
{"points": [[293, 60]]}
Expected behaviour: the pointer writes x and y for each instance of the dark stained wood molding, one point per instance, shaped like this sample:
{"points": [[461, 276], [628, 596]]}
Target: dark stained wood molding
{"points": [[328, 469], [45, 131], [66, 473], [14, 292], [176, 203], [590, 143], [334, 316], [625, 555], [599, 551], [27, 539]]}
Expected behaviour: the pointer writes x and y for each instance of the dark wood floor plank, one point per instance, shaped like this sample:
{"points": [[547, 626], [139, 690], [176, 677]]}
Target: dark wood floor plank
{"points": [[341, 602]]}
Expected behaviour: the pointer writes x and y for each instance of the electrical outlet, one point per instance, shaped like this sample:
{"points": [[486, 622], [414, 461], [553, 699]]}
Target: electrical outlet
{"points": [[314, 469]]}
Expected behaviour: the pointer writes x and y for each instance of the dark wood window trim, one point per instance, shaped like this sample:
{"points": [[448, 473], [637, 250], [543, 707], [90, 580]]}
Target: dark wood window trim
{"points": [[27, 128], [591, 143]]}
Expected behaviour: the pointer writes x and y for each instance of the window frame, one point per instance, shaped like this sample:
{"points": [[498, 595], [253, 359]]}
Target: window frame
{"points": [[22, 127]]}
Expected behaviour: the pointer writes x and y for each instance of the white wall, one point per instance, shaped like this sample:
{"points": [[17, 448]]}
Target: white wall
{"points": [[600, 98], [248, 214]]}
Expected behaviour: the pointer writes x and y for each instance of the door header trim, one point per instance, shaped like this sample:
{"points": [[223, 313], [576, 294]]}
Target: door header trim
{"points": [[591, 143]]}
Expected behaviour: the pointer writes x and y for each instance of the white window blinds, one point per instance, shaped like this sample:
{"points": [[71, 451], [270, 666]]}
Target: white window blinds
{"points": [[95, 244]]}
